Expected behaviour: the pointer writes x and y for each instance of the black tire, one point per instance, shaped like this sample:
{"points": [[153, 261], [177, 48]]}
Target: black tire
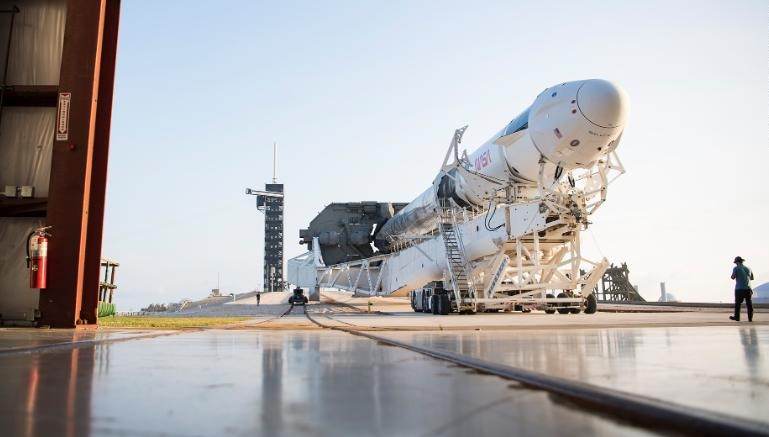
{"points": [[444, 304], [549, 310], [521, 308], [563, 310], [591, 304]]}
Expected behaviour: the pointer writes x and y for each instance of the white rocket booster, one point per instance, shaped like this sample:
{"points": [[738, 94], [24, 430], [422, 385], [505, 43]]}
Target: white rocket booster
{"points": [[569, 126]]}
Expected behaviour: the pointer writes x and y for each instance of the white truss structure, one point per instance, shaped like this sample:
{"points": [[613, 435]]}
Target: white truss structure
{"points": [[526, 255]]}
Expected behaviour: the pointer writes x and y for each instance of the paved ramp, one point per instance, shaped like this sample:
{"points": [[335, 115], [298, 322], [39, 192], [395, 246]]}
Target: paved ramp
{"points": [[274, 298]]}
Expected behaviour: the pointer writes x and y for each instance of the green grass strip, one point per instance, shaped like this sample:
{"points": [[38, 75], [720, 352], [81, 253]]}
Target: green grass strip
{"points": [[167, 322]]}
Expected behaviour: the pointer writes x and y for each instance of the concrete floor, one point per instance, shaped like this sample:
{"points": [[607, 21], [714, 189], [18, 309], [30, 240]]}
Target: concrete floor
{"points": [[295, 382], [719, 368], [535, 320], [15, 339], [286, 376]]}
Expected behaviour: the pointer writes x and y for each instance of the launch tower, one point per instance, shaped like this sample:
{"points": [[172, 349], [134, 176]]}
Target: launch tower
{"points": [[270, 202], [272, 206]]}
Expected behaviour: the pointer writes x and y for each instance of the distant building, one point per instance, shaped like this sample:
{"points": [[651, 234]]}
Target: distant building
{"points": [[761, 293], [665, 296]]}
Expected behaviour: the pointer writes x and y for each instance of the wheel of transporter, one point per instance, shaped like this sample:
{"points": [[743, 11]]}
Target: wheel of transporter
{"points": [[563, 310], [444, 304], [591, 304], [549, 310], [434, 302]]}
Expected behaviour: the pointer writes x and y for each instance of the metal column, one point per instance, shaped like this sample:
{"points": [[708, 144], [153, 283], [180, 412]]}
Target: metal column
{"points": [[79, 164]]}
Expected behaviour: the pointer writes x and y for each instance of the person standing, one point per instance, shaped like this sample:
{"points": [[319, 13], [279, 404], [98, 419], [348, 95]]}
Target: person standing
{"points": [[742, 277], [258, 298]]}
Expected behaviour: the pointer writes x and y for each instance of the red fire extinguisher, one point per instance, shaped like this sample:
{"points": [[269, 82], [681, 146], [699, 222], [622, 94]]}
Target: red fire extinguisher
{"points": [[37, 257]]}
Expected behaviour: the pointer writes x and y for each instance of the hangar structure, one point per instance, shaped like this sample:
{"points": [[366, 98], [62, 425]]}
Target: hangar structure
{"points": [[58, 68]]}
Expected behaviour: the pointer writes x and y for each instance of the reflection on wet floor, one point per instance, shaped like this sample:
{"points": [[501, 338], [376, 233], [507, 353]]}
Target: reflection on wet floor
{"points": [[270, 383], [15, 338], [719, 368]]}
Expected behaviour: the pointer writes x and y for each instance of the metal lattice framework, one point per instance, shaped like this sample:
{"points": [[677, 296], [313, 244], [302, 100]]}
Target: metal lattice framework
{"points": [[273, 239], [271, 203], [537, 261], [616, 286]]}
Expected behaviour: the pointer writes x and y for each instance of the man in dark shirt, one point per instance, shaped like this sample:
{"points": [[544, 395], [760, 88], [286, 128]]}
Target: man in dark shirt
{"points": [[258, 298], [742, 277]]}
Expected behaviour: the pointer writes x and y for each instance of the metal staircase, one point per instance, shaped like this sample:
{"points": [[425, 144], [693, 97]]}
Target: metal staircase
{"points": [[458, 267]]}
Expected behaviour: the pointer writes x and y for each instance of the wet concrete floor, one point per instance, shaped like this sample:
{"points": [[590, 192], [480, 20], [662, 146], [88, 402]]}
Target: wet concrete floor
{"points": [[256, 382], [14, 339], [719, 368]]}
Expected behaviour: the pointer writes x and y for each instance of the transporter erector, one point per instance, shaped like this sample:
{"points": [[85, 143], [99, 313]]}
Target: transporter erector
{"points": [[498, 229]]}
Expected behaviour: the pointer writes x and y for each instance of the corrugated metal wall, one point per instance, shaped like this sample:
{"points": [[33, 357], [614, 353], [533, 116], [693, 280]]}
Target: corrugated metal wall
{"points": [[26, 140], [38, 34], [26, 137]]}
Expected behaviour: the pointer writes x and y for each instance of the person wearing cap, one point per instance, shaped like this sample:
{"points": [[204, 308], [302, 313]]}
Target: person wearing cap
{"points": [[742, 277]]}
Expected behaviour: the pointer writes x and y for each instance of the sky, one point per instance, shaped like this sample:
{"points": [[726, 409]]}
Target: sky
{"points": [[363, 98]]}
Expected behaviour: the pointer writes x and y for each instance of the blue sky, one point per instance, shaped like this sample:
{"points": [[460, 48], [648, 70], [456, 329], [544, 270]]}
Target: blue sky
{"points": [[362, 98]]}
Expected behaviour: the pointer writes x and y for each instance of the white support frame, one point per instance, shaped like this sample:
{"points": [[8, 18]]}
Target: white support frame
{"points": [[527, 268]]}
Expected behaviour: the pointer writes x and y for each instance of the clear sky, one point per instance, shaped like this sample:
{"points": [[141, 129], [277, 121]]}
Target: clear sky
{"points": [[363, 97]]}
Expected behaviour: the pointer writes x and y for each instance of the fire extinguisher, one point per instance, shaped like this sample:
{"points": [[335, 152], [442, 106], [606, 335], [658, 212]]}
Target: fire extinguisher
{"points": [[37, 257]]}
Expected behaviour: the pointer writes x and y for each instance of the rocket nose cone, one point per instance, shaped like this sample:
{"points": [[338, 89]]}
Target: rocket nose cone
{"points": [[603, 103]]}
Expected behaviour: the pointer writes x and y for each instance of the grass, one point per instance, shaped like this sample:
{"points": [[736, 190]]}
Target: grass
{"points": [[166, 322]]}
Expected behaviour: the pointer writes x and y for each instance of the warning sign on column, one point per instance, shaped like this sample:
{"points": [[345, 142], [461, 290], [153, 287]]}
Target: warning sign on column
{"points": [[62, 118]]}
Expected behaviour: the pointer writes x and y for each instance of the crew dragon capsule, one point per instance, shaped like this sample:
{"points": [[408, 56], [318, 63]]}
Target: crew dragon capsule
{"points": [[569, 126]]}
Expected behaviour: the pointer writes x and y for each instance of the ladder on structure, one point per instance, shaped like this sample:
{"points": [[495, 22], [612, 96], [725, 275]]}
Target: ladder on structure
{"points": [[458, 267]]}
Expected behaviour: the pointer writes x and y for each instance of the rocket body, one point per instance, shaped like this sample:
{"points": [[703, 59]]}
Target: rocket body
{"points": [[568, 126]]}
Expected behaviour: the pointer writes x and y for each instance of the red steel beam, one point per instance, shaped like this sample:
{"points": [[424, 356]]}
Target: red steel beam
{"points": [[77, 164], [30, 95], [100, 157], [24, 207]]}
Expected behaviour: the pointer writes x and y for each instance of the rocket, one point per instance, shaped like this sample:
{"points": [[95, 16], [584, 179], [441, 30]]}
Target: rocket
{"points": [[569, 126]]}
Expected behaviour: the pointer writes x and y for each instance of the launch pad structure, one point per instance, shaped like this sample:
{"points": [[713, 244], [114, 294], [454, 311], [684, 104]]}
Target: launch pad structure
{"points": [[272, 205], [616, 287], [271, 202]]}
